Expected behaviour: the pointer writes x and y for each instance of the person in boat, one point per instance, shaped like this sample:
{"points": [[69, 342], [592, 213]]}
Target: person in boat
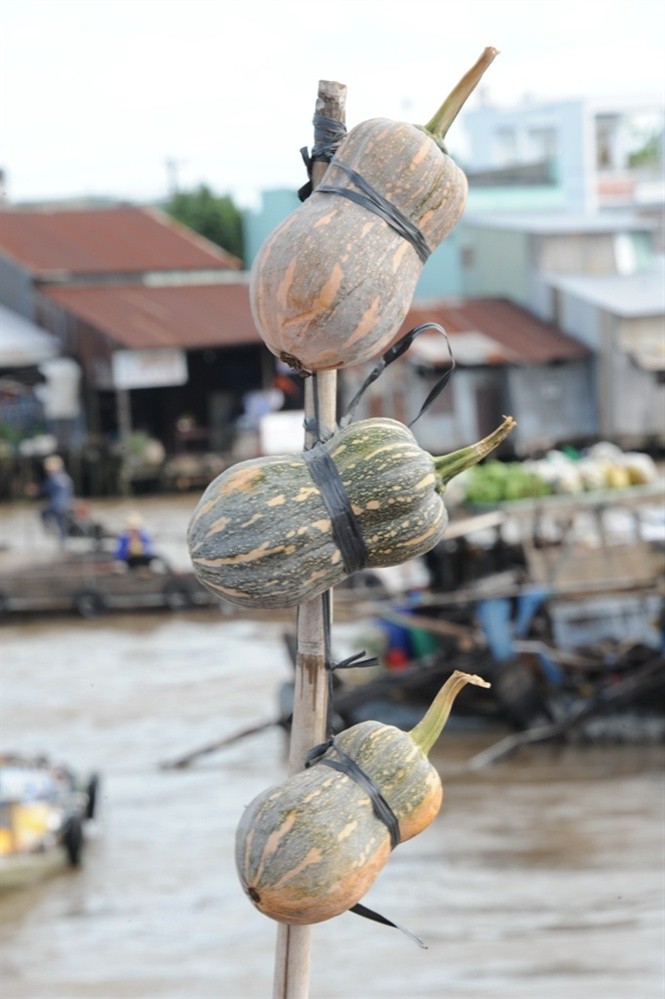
{"points": [[58, 489], [134, 546]]}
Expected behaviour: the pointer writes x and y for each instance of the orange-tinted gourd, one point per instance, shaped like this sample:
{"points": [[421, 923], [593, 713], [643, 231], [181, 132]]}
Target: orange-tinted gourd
{"points": [[308, 849], [333, 283]]}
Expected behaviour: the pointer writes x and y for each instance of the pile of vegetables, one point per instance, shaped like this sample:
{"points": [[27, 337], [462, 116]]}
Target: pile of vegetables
{"points": [[603, 466], [498, 482]]}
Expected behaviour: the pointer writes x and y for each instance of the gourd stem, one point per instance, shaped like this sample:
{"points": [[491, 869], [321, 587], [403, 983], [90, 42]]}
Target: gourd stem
{"points": [[429, 728], [454, 102], [447, 466]]}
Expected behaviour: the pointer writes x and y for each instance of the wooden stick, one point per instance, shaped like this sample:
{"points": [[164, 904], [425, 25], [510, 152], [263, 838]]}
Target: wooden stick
{"points": [[310, 698]]}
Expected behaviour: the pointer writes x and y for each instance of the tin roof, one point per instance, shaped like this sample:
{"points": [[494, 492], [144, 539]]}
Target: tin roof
{"points": [[122, 240], [625, 295], [558, 223], [194, 316], [190, 316], [489, 331]]}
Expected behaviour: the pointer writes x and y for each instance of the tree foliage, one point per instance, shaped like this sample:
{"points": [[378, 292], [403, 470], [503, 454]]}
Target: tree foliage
{"points": [[214, 216], [648, 154]]}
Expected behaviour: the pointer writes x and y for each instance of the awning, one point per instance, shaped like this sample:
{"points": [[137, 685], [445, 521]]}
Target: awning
{"points": [[649, 359], [23, 344], [469, 348]]}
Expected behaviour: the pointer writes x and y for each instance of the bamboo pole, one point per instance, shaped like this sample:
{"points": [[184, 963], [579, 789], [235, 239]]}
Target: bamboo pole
{"points": [[310, 696]]}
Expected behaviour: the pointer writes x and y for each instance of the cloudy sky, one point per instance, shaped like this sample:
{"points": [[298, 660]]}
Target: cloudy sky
{"points": [[96, 96]]}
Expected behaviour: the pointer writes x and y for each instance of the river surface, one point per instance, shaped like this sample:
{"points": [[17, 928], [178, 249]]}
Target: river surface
{"points": [[541, 878]]}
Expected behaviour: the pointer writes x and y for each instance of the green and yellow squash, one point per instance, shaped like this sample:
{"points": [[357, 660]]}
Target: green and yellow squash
{"points": [[308, 849], [332, 284], [262, 536]]}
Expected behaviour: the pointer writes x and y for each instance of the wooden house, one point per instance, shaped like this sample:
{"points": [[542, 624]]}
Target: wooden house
{"points": [[508, 361], [157, 318]]}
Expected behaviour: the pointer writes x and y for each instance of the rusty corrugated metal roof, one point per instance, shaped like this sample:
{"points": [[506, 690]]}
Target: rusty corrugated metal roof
{"points": [[186, 316], [488, 331], [123, 240], [509, 333]]}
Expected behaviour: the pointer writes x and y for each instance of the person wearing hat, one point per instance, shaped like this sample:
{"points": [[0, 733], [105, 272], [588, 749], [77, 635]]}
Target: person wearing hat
{"points": [[134, 546], [58, 489]]}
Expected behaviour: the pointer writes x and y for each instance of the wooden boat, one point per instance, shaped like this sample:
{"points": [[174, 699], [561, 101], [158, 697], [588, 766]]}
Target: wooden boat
{"points": [[568, 629], [43, 812], [558, 602], [91, 582]]}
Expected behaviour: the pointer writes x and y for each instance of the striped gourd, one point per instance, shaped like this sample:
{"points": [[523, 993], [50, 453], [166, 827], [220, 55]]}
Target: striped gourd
{"points": [[261, 535], [332, 284], [308, 849]]}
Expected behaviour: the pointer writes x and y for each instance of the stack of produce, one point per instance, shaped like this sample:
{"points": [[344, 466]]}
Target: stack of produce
{"points": [[330, 288]]}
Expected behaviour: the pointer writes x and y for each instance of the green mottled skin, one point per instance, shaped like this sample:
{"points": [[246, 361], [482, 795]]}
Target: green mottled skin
{"points": [[310, 848], [261, 534]]}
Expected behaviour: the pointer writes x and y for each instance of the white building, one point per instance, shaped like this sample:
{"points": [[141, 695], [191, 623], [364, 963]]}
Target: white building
{"points": [[599, 154]]}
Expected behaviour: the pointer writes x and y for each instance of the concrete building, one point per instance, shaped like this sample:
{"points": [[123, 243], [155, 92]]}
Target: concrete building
{"points": [[596, 278], [593, 155], [622, 320]]}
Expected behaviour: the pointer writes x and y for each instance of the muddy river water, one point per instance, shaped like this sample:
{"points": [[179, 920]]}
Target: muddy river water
{"points": [[542, 877]]}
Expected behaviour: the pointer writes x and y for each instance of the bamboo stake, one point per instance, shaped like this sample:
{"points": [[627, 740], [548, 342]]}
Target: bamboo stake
{"points": [[310, 696]]}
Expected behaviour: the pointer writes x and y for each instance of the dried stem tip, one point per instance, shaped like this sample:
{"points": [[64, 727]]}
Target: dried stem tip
{"points": [[454, 102], [429, 728], [447, 466]]}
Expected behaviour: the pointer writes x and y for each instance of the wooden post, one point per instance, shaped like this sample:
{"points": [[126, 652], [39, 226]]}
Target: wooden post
{"points": [[124, 417], [310, 696]]}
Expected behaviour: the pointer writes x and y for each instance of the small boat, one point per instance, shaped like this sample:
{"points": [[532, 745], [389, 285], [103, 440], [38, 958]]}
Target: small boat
{"points": [[44, 809], [558, 602], [91, 582]]}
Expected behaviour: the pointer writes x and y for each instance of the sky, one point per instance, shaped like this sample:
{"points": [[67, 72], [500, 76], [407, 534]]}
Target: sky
{"points": [[98, 97]]}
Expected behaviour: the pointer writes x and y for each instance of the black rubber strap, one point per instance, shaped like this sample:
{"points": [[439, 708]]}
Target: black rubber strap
{"points": [[328, 133], [391, 355], [369, 198], [345, 527], [361, 910], [381, 808], [346, 765], [355, 661]]}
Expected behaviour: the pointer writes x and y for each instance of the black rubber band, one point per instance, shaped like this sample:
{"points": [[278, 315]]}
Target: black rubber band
{"points": [[369, 198], [328, 133], [355, 661], [345, 527], [381, 808], [361, 910], [391, 355], [313, 427], [346, 765]]}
